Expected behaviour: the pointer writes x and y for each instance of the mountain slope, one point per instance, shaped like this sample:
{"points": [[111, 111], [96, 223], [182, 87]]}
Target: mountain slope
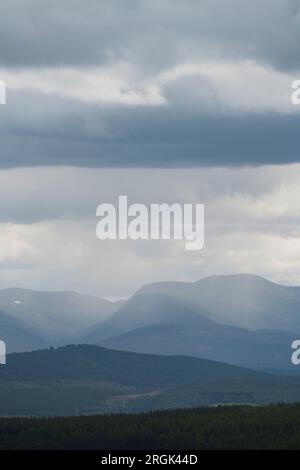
{"points": [[124, 368], [241, 300], [55, 315], [18, 336], [161, 324], [144, 310], [88, 379], [261, 350]]}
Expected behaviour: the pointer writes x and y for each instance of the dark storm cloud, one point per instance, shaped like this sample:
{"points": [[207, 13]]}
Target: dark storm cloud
{"points": [[58, 132], [151, 34], [192, 127]]}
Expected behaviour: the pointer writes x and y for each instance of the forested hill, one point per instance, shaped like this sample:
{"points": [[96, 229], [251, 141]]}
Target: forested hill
{"points": [[268, 427], [124, 368], [75, 380]]}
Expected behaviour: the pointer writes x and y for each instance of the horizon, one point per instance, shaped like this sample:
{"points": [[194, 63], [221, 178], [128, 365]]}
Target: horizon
{"points": [[118, 299]]}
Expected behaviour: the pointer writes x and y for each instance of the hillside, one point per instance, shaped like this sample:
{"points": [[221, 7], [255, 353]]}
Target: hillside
{"points": [[89, 380], [261, 350], [18, 336], [85, 362], [162, 324], [144, 310]]}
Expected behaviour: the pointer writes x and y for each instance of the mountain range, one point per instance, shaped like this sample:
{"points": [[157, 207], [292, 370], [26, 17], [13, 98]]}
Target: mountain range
{"points": [[243, 300], [34, 319], [207, 319], [241, 319]]}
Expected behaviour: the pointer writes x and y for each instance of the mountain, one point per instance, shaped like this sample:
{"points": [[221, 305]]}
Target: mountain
{"points": [[85, 362], [242, 319], [17, 335], [54, 315], [161, 324], [144, 310], [84, 379], [261, 350], [243, 300]]}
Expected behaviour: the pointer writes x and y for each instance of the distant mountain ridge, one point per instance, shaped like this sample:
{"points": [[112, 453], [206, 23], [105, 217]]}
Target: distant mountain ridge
{"points": [[241, 319], [244, 300], [161, 324], [261, 350], [144, 310], [18, 336], [47, 318]]}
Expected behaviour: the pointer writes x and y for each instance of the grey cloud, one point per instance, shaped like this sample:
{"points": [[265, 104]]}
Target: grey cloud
{"points": [[37, 130], [149, 34], [193, 129], [29, 195]]}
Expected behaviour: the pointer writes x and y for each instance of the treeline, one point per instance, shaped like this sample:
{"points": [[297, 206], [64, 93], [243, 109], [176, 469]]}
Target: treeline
{"points": [[226, 427]]}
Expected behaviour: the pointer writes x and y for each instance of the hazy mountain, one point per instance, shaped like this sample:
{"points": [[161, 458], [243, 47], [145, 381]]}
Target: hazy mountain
{"points": [[144, 310], [161, 324], [210, 319], [241, 300], [17, 335], [55, 315], [263, 350]]}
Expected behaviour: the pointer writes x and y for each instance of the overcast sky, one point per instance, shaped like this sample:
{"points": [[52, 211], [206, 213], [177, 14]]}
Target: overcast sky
{"points": [[163, 101]]}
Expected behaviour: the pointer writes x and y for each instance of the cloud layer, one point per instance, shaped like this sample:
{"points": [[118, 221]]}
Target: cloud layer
{"points": [[149, 84], [154, 35]]}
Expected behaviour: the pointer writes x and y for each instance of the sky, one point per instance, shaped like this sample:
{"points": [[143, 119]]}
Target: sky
{"points": [[164, 101]]}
